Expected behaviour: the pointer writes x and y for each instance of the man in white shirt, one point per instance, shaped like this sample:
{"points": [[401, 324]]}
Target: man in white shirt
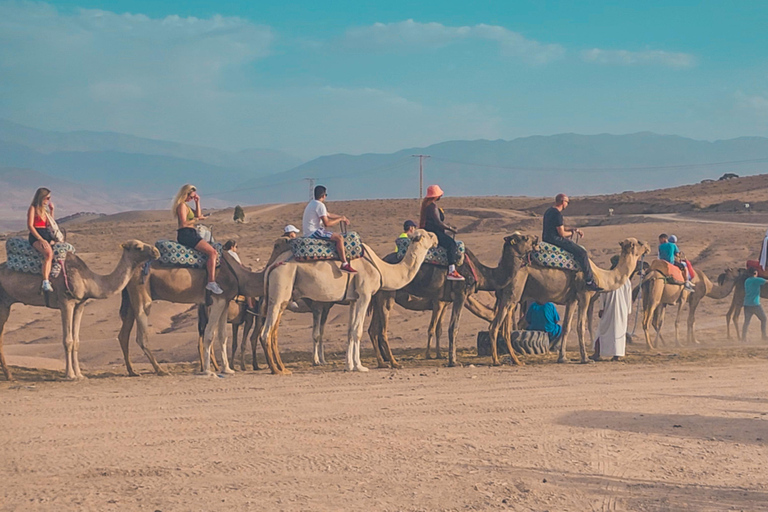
{"points": [[317, 220]]}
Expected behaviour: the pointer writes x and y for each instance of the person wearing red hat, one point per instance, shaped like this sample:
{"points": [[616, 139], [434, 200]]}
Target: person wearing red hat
{"points": [[432, 219]]}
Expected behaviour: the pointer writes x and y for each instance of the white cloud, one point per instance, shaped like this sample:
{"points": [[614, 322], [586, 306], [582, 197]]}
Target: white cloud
{"points": [[753, 102], [412, 34], [628, 58]]}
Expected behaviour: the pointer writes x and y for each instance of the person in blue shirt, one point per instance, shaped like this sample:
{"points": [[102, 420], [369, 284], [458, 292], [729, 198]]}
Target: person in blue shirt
{"points": [[544, 317], [668, 249], [752, 305]]}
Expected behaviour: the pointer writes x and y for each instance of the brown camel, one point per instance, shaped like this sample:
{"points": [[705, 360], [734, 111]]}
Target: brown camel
{"points": [[737, 303], [567, 287], [323, 281], [83, 285], [431, 291], [657, 294], [182, 286]]}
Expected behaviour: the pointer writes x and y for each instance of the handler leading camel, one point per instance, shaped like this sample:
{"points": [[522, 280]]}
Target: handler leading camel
{"points": [[555, 233]]}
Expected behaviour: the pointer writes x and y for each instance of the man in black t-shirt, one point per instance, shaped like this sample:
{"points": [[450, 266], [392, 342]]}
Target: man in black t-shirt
{"points": [[555, 233]]}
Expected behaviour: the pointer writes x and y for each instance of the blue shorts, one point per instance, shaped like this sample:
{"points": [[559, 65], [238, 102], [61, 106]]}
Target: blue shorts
{"points": [[322, 234]]}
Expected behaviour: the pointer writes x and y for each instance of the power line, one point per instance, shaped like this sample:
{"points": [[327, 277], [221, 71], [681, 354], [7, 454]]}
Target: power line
{"points": [[421, 173]]}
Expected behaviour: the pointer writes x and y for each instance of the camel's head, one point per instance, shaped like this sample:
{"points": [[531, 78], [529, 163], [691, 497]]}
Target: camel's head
{"points": [[730, 274], [634, 247], [425, 238], [139, 251], [520, 243]]}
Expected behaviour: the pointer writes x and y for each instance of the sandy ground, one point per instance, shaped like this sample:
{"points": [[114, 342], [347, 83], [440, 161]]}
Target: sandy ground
{"points": [[670, 429]]}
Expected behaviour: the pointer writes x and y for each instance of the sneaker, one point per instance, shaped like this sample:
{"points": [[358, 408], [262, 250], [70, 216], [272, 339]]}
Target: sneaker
{"points": [[346, 267], [214, 287], [454, 276], [689, 286], [47, 286]]}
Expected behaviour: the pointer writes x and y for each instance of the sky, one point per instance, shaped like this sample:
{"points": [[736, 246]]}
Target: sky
{"points": [[318, 77]]}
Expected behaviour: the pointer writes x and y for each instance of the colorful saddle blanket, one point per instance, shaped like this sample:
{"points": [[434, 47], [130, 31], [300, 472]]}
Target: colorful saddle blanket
{"points": [[669, 270], [22, 257], [549, 255], [314, 249], [176, 255], [435, 256]]}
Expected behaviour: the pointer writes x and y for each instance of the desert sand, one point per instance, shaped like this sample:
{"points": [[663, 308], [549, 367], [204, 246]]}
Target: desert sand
{"points": [[676, 428]]}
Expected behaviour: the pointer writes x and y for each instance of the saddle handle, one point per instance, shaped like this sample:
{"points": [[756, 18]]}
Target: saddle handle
{"points": [[343, 227]]}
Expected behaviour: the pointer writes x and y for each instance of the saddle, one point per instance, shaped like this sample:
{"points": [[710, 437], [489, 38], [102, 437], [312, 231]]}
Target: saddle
{"points": [[174, 254], [435, 256], [760, 271], [314, 249], [22, 257], [668, 270], [552, 256]]}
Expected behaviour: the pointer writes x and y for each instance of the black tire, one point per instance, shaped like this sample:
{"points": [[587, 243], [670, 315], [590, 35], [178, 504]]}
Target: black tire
{"points": [[524, 342]]}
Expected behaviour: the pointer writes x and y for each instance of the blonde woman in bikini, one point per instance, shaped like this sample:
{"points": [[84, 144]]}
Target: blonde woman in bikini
{"points": [[39, 236], [187, 234]]}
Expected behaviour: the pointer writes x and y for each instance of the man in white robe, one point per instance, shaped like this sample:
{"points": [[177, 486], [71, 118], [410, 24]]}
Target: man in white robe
{"points": [[615, 308]]}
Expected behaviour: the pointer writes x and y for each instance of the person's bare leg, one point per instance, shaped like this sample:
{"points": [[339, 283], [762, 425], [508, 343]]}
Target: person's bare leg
{"points": [[339, 241], [44, 248]]}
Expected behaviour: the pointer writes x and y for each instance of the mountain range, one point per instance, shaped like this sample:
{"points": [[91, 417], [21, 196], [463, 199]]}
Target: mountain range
{"points": [[123, 172]]}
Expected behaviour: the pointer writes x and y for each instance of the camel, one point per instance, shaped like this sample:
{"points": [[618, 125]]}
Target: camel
{"points": [[737, 303], [565, 287], [72, 289], [323, 281], [237, 317], [431, 291], [657, 294], [184, 286]]}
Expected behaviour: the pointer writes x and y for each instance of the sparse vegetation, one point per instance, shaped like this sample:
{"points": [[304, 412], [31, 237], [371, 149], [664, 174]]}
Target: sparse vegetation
{"points": [[239, 216]]}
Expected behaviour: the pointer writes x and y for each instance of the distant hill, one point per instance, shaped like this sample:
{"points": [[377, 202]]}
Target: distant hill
{"points": [[538, 166], [141, 165]]}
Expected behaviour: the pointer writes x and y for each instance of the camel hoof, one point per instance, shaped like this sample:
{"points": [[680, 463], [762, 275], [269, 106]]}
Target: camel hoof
{"points": [[361, 368], [587, 361], [133, 374], [562, 360], [427, 356], [81, 377], [396, 366], [439, 356], [228, 371], [520, 363], [286, 371], [70, 378], [209, 373], [162, 373]]}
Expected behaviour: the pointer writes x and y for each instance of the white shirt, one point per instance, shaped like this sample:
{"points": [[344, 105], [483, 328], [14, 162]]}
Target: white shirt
{"points": [[313, 214]]}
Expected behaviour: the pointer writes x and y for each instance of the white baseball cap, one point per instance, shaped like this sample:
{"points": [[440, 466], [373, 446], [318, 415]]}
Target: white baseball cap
{"points": [[290, 228]]}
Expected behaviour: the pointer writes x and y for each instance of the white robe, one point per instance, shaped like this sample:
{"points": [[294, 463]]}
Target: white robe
{"points": [[764, 252], [612, 331]]}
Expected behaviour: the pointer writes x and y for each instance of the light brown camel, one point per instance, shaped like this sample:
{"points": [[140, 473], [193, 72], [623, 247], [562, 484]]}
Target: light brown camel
{"points": [[182, 286], [323, 281], [567, 287], [83, 285], [657, 294], [431, 291], [737, 303]]}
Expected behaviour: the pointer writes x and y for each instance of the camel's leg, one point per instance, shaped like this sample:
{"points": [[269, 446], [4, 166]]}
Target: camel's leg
{"points": [[257, 325], [567, 322], [235, 332], [317, 313], [590, 316], [453, 326], [728, 316], [269, 334], [357, 319], [505, 309], [506, 328], [439, 329], [583, 305], [222, 336], [67, 314], [248, 322], [680, 304], [736, 314], [649, 310], [374, 326], [658, 324], [77, 319], [127, 317], [142, 338], [5, 312], [202, 325], [323, 322], [431, 329], [692, 306], [275, 345]]}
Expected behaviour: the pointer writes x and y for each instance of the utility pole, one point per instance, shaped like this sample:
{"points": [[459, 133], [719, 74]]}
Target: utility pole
{"points": [[311, 187], [421, 174]]}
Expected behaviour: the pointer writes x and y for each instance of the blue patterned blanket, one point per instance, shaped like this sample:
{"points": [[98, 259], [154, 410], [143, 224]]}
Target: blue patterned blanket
{"points": [[176, 255], [435, 256], [552, 256], [22, 257], [312, 249]]}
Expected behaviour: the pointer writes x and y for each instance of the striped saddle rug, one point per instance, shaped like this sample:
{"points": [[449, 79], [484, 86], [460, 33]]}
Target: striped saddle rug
{"points": [[552, 256], [313, 249], [174, 254], [435, 256], [22, 257]]}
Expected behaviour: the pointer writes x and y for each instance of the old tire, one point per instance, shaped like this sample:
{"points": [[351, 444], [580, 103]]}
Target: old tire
{"points": [[524, 342]]}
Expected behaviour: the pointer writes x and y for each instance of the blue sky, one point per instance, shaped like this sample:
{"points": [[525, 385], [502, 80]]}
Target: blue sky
{"points": [[314, 78]]}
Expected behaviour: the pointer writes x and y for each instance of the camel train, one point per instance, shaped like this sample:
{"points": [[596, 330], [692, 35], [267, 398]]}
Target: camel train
{"points": [[312, 274]]}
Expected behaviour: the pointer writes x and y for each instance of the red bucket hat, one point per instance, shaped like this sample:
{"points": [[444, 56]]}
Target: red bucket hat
{"points": [[434, 191]]}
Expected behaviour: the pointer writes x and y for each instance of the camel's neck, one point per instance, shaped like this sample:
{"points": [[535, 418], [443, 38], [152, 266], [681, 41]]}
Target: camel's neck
{"points": [[397, 275], [494, 278], [716, 291], [610, 280], [99, 286]]}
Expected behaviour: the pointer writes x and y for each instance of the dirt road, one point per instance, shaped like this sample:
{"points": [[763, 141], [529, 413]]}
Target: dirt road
{"points": [[607, 436]]}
